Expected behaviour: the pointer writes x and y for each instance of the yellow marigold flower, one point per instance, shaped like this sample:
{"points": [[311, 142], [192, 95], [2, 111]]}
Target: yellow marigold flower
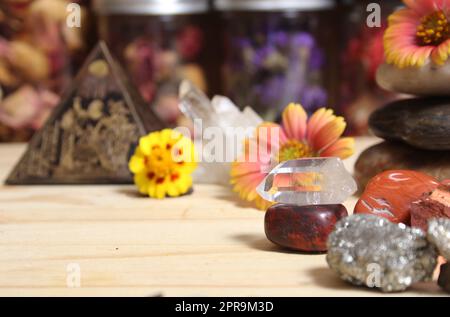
{"points": [[162, 164]]}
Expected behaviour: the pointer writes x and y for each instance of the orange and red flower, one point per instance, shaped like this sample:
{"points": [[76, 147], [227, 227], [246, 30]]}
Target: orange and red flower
{"points": [[418, 33], [297, 137]]}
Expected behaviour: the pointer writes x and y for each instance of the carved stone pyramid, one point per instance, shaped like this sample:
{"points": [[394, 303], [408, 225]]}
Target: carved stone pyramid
{"points": [[90, 136]]}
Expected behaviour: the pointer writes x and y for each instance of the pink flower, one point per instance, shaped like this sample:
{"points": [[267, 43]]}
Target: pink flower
{"points": [[417, 33], [298, 137]]}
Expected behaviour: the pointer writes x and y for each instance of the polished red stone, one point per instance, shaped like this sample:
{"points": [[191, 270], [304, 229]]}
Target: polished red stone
{"points": [[391, 193], [302, 228], [432, 205]]}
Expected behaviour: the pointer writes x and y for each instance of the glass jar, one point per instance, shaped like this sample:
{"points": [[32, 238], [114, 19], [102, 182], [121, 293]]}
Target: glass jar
{"points": [[361, 52], [39, 54], [160, 42], [277, 52]]}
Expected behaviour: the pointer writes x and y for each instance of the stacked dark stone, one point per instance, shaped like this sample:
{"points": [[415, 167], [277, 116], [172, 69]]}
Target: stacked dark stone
{"points": [[417, 137]]}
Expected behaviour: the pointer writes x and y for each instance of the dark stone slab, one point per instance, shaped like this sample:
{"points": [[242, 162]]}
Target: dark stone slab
{"points": [[420, 122]]}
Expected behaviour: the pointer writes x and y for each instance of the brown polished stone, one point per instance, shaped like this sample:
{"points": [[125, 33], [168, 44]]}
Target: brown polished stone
{"points": [[396, 155], [302, 228], [391, 193], [432, 205]]}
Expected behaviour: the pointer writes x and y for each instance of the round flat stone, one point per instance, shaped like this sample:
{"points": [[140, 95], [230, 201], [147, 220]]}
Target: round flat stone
{"points": [[421, 122], [430, 80], [396, 155], [390, 194], [302, 228]]}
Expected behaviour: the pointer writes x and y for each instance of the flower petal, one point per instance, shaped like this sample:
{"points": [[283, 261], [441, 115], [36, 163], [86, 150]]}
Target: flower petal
{"points": [[342, 148], [243, 168], [404, 15], [425, 7], [262, 204], [440, 54], [180, 186], [147, 142], [137, 162], [294, 121], [328, 134], [318, 120], [161, 190], [270, 133], [142, 183]]}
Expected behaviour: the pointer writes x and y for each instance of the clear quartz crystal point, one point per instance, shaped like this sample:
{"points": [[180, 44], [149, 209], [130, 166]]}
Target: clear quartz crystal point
{"points": [[311, 181]]}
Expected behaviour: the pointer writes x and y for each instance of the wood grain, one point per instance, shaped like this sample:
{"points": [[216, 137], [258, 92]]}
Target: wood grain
{"points": [[208, 243]]}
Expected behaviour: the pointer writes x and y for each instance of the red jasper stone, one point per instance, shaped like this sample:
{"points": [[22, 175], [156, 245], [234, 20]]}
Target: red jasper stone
{"points": [[302, 228], [432, 205], [391, 193]]}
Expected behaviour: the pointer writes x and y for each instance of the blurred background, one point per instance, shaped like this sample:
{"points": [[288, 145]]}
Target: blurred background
{"points": [[261, 53]]}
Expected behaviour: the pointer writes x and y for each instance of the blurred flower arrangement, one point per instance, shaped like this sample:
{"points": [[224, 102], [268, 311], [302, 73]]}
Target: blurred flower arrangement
{"points": [[320, 136], [273, 67], [360, 58], [36, 50], [163, 163], [157, 65]]}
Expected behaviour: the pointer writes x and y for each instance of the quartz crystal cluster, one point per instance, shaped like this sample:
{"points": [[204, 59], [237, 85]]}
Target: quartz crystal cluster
{"points": [[219, 113], [372, 251]]}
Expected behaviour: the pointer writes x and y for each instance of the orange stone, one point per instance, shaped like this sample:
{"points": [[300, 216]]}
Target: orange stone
{"points": [[391, 193]]}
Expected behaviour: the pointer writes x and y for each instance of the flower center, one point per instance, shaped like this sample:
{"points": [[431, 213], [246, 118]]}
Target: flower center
{"points": [[294, 149], [433, 29], [160, 162]]}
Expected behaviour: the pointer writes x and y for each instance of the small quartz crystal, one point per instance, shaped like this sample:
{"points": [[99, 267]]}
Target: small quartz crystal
{"points": [[312, 181], [370, 250]]}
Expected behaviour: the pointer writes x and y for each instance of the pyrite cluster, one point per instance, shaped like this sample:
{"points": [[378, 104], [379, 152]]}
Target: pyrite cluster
{"points": [[372, 251]]}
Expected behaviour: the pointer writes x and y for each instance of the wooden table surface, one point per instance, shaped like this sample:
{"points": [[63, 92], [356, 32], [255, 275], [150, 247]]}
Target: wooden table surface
{"points": [[207, 244]]}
